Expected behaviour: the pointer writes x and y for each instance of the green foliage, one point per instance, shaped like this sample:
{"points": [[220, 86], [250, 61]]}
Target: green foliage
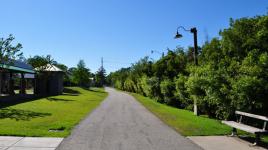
{"points": [[40, 61], [170, 65], [168, 90], [129, 85], [232, 73], [81, 74], [100, 77], [151, 87], [9, 52], [181, 92]]}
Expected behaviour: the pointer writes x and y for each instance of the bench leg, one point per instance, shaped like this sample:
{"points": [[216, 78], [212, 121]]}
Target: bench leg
{"points": [[257, 139], [234, 132]]}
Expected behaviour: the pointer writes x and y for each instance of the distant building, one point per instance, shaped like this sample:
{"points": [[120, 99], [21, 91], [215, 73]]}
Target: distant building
{"points": [[49, 80]]}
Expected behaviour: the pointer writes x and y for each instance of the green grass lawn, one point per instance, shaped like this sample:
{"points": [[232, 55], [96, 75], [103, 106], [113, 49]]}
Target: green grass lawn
{"points": [[185, 122], [39, 117]]}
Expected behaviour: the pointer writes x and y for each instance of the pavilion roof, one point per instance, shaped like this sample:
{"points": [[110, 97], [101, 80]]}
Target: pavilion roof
{"points": [[18, 66]]}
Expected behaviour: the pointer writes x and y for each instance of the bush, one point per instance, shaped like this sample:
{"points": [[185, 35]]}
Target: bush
{"points": [[168, 90], [129, 85], [181, 92], [151, 87]]}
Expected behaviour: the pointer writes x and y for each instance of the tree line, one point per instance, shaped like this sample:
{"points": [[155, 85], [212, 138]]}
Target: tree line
{"points": [[74, 76], [232, 73]]}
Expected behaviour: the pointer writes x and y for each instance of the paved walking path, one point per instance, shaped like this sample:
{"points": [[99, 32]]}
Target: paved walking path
{"points": [[223, 143], [121, 123], [28, 143]]}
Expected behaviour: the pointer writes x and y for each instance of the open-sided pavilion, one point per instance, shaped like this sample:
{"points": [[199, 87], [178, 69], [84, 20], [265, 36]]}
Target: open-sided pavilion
{"points": [[8, 72]]}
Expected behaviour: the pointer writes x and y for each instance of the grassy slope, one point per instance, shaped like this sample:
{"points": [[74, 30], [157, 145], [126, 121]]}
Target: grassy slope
{"points": [[185, 122], [36, 118]]}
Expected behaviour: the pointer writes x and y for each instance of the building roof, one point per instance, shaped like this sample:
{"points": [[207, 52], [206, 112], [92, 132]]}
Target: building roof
{"points": [[49, 68], [18, 66]]}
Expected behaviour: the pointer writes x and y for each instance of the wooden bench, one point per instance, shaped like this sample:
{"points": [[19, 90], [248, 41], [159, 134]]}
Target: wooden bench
{"points": [[239, 124]]}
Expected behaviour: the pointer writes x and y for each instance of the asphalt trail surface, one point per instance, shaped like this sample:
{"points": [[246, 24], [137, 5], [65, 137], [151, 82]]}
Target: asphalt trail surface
{"points": [[122, 123]]}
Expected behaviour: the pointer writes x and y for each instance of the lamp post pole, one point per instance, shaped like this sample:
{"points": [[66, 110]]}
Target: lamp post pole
{"points": [[194, 31]]}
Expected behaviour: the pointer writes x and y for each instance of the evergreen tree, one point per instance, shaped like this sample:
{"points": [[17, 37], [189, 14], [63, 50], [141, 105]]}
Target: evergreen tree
{"points": [[81, 74], [100, 77]]}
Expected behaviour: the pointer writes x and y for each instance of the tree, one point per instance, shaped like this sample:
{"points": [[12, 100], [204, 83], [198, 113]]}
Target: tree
{"points": [[63, 67], [40, 61], [100, 77], [232, 73], [81, 74], [66, 77], [8, 53]]}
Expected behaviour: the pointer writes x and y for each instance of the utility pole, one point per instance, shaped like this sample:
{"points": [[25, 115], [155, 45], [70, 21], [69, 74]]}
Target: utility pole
{"points": [[102, 62]]}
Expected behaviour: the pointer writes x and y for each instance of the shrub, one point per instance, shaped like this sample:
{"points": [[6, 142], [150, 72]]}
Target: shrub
{"points": [[168, 89], [181, 92]]}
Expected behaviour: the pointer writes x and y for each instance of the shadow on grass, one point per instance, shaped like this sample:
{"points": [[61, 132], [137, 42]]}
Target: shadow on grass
{"points": [[7, 101], [18, 99], [251, 139], [58, 99], [93, 90], [67, 94], [70, 92], [19, 114]]}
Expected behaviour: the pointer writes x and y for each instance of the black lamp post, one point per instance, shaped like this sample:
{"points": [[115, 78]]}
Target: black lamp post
{"points": [[177, 36], [194, 31]]}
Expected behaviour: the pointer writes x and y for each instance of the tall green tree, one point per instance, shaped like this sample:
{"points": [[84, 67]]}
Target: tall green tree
{"points": [[8, 53], [40, 61], [100, 77], [81, 74]]}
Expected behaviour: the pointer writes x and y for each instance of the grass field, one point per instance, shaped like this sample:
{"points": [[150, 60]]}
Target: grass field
{"points": [[53, 116], [186, 123]]}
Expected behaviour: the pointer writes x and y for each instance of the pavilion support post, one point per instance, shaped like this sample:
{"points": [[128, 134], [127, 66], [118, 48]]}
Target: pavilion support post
{"points": [[1, 82], [22, 84], [11, 84], [34, 83]]}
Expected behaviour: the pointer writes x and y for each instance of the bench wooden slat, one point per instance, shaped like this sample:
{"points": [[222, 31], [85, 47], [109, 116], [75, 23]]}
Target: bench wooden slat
{"points": [[244, 127], [252, 115]]}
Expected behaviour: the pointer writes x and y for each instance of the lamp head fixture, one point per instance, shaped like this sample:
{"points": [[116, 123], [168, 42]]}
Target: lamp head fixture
{"points": [[178, 35]]}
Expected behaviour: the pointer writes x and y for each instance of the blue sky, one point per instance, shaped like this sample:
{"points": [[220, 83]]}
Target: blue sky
{"points": [[121, 31]]}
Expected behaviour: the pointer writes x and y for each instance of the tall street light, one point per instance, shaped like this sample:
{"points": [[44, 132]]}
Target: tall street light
{"points": [[177, 36]]}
